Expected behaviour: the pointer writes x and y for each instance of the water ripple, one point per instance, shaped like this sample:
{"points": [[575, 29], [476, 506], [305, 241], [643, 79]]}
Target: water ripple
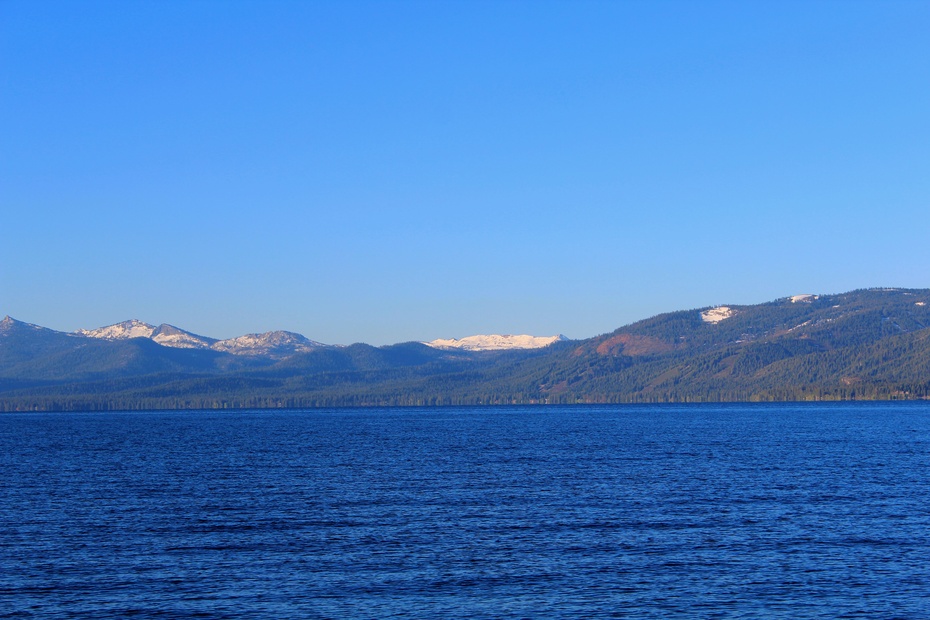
{"points": [[732, 511]]}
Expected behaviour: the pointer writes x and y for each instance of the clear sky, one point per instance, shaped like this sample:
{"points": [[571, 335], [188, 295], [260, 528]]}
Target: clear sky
{"points": [[390, 171]]}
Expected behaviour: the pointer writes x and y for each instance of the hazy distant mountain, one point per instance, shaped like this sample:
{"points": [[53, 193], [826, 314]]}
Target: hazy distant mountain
{"points": [[25, 343], [273, 345], [871, 343], [171, 336], [36, 355], [120, 331], [277, 344], [164, 334], [495, 342]]}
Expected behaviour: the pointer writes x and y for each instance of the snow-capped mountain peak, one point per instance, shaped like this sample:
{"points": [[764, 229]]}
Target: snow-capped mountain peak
{"points": [[120, 331], [495, 342], [275, 344], [271, 344], [171, 336]]}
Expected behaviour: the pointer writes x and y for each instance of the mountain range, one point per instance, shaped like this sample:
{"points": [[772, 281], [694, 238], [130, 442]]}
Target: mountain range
{"points": [[276, 344], [865, 344]]}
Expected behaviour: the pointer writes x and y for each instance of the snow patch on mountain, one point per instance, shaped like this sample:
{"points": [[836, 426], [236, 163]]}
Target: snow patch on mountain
{"points": [[715, 315], [120, 331], [804, 299], [495, 342]]}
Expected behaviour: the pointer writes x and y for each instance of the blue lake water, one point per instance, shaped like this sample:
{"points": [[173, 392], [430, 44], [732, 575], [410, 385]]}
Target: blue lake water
{"points": [[716, 511]]}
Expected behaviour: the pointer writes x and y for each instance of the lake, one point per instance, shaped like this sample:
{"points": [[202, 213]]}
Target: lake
{"points": [[716, 511]]}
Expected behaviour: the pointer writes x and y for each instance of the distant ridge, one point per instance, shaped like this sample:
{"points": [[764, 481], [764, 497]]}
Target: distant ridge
{"points": [[9, 323], [864, 344], [165, 335], [495, 342], [171, 336], [120, 331], [274, 344]]}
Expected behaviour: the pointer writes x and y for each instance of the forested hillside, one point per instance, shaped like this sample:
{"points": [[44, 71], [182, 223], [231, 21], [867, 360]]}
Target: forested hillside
{"points": [[864, 344]]}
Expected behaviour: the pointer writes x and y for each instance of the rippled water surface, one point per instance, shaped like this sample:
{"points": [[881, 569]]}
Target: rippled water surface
{"points": [[693, 511]]}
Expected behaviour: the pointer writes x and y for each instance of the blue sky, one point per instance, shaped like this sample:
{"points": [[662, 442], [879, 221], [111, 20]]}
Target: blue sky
{"points": [[390, 171]]}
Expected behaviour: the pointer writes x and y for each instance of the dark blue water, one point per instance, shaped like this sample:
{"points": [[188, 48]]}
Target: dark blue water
{"points": [[698, 511]]}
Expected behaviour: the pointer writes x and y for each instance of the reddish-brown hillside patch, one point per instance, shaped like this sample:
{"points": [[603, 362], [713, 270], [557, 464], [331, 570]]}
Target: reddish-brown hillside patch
{"points": [[632, 345]]}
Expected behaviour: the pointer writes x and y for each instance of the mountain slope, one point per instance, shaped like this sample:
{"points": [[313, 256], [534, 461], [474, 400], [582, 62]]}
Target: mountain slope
{"points": [[782, 347], [862, 344], [277, 344], [171, 336], [120, 331], [31, 355]]}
